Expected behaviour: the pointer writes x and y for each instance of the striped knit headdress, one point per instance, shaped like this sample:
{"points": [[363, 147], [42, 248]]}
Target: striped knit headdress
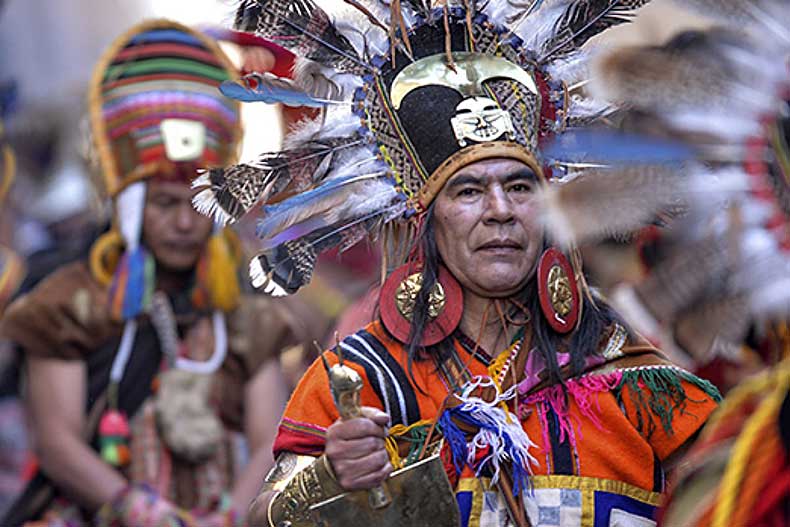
{"points": [[157, 74], [155, 112]]}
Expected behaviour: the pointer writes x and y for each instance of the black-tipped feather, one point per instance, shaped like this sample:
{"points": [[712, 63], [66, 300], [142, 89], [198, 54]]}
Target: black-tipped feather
{"points": [[302, 27], [234, 191], [284, 269], [583, 19]]}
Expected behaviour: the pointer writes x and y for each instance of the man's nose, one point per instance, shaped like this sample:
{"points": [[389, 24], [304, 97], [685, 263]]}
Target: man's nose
{"points": [[499, 209], [185, 216]]}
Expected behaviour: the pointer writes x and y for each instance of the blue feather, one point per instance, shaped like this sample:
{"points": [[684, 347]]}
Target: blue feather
{"points": [[268, 88], [612, 148], [278, 214]]}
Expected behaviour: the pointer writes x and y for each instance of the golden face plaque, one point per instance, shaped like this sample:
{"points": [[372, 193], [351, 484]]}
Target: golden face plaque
{"points": [[560, 290], [479, 119], [406, 297]]}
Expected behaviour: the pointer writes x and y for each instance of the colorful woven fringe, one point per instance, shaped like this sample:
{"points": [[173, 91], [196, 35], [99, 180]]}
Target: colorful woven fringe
{"points": [[666, 393], [499, 439], [133, 284], [583, 390]]}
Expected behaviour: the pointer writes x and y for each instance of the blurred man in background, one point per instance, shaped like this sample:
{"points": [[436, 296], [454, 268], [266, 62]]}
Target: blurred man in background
{"points": [[136, 407]]}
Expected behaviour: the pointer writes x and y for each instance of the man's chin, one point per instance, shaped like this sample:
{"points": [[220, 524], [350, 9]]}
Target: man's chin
{"points": [[176, 263], [499, 288]]}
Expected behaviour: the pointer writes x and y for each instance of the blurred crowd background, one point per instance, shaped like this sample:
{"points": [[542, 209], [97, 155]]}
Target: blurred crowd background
{"points": [[53, 212]]}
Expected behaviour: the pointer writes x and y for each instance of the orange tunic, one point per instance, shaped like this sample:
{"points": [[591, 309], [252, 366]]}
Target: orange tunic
{"points": [[598, 453]]}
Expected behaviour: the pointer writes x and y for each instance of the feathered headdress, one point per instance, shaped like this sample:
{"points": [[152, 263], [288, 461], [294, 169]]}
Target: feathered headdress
{"points": [[410, 92], [714, 107]]}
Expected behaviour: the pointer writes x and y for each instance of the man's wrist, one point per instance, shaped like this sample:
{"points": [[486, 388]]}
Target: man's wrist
{"points": [[314, 483]]}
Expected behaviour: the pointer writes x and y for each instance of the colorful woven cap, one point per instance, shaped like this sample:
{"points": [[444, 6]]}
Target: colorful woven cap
{"points": [[156, 109]]}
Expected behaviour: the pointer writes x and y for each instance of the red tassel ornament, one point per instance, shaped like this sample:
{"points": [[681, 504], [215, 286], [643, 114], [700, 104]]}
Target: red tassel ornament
{"points": [[113, 438]]}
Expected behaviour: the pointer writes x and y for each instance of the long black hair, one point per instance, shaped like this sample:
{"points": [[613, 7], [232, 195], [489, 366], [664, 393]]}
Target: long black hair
{"points": [[583, 342]]}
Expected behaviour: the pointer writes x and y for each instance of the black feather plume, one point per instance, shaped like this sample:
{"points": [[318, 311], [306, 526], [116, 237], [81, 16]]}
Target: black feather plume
{"points": [[583, 19], [302, 27], [289, 266], [229, 193]]}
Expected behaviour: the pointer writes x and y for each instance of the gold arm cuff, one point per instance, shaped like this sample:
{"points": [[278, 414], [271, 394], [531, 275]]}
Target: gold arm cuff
{"points": [[314, 483]]}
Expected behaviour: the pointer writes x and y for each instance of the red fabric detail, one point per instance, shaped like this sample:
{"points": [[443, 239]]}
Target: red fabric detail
{"points": [[446, 455], [284, 59], [435, 330], [769, 511], [220, 127], [289, 440], [153, 153]]}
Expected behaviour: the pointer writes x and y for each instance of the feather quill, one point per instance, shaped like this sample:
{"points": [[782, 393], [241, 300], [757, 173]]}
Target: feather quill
{"points": [[610, 147], [270, 89], [327, 198], [227, 194], [283, 269]]}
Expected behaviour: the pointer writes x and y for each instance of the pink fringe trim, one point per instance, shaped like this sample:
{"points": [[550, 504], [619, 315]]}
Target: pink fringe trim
{"points": [[583, 390]]}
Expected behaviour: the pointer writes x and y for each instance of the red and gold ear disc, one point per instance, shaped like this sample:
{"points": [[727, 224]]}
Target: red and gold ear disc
{"points": [[398, 298], [558, 292]]}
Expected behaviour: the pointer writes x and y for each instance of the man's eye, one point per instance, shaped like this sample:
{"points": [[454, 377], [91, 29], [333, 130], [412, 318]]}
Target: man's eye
{"points": [[468, 191], [162, 202], [521, 187]]}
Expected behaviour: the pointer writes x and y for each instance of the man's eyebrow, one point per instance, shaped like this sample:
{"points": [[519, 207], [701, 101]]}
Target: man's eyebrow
{"points": [[465, 179], [470, 179], [524, 173]]}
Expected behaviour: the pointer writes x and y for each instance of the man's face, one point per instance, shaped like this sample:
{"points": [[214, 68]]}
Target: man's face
{"points": [[172, 230], [485, 227]]}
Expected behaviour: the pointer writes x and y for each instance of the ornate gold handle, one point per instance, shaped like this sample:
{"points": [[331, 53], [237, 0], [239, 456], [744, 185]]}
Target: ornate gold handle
{"points": [[345, 384]]}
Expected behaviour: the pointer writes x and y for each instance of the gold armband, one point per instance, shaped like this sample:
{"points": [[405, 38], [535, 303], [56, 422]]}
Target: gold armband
{"points": [[299, 481]]}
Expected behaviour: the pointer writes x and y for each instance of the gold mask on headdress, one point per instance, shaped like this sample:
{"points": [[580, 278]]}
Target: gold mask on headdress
{"points": [[478, 117]]}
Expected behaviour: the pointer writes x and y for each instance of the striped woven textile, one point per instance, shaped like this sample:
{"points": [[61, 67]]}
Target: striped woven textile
{"points": [[160, 70]]}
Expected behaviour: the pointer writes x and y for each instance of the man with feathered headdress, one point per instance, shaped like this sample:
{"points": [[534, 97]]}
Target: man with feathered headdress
{"points": [[489, 353], [147, 361]]}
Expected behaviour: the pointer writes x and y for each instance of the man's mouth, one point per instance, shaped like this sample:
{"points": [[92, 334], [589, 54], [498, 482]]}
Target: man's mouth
{"points": [[503, 245], [183, 246]]}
